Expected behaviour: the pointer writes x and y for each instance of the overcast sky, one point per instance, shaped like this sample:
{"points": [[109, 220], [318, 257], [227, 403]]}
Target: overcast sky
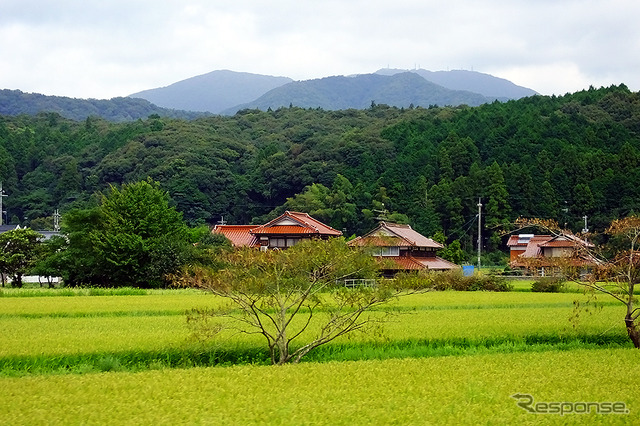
{"points": [[109, 48]]}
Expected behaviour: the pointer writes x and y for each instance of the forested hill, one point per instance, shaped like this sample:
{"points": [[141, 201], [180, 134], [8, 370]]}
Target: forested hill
{"points": [[337, 93], [550, 157], [15, 102]]}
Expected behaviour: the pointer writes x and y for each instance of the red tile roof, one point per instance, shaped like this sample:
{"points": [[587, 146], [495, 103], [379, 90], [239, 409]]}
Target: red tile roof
{"points": [[296, 223], [239, 235], [285, 229], [412, 263], [566, 241], [533, 247], [395, 235], [437, 263], [523, 239]]}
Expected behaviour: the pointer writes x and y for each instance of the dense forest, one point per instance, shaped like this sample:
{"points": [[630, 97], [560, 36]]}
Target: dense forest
{"points": [[549, 157]]}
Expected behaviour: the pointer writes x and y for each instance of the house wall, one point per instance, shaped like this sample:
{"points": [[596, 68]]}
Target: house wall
{"points": [[515, 253], [557, 252]]}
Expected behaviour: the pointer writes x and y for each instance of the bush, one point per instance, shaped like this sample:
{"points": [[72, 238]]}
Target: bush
{"points": [[548, 285], [455, 280]]}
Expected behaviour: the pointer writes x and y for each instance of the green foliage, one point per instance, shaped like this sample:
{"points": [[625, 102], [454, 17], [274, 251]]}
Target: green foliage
{"points": [[133, 238], [548, 285], [455, 280], [18, 252], [550, 157], [453, 252]]}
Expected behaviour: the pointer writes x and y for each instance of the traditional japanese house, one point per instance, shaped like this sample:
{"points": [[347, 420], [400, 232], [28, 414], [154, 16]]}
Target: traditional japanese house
{"points": [[547, 254], [282, 232], [404, 248]]}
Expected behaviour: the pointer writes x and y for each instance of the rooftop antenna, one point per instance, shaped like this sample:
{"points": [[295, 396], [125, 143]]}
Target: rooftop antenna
{"points": [[221, 221], [2, 195], [586, 228]]}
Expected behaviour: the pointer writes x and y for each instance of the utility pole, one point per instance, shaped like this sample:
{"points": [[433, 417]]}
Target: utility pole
{"points": [[586, 228], [2, 195], [56, 221], [479, 231]]}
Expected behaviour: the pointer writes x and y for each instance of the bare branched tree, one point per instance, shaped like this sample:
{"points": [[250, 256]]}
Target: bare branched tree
{"points": [[296, 298], [615, 275]]}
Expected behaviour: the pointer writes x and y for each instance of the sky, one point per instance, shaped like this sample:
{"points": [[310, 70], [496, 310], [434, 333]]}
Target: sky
{"points": [[108, 48]]}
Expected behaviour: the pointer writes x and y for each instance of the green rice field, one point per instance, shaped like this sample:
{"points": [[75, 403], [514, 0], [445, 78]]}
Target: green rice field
{"points": [[76, 357]]}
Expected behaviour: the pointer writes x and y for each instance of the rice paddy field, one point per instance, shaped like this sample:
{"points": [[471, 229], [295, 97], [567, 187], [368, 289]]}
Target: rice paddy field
{"points": [[129, 357]]}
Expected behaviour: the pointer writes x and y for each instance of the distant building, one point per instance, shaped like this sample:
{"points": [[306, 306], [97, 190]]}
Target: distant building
{"points": [[5, 228], [547, 254], [45, 234], [405, 248]]}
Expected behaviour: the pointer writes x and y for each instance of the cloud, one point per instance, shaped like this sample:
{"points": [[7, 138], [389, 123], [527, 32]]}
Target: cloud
{"points": [[105, 49]]}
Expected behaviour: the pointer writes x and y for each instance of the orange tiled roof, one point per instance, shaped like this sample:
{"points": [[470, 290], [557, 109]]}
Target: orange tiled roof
{"points": [[304, 224], [533, 247], [522, 240], [392, 234], [285, 229], [412, 263], [437, 263], [239, 235], [566, 241]]}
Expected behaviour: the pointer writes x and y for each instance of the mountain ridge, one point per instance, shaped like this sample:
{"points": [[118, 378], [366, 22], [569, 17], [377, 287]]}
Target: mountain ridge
{"points": [[487, 85], [212, 92], [358, 92], [226, 92], [16, 102]]}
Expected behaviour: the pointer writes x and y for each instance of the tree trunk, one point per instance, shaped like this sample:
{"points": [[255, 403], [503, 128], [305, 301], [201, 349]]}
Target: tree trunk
{"points": [[632, 331]]}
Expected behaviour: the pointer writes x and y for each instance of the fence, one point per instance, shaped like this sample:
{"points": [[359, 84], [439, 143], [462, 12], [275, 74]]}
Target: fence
{"points": [[360, 282]]}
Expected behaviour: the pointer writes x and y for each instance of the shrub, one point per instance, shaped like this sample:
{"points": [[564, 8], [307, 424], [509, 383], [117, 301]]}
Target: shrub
{"points": [[548, 285], [455, 280]]}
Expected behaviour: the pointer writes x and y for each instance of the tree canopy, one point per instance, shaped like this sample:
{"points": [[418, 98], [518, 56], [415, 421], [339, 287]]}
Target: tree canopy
{"points": [[133, 237], [18, 252]]}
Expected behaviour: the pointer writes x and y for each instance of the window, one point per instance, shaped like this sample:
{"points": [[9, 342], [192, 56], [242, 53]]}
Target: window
{"points": [[277, 242], [389, 251], [283, 242]]}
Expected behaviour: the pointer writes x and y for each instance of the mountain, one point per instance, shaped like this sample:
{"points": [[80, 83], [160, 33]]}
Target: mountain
{"points": [[212, 92], [339, 92], [472, 81], [226, 92], [15, 102]]}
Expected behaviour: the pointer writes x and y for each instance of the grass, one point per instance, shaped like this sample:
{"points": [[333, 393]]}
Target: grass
{"points": [[81, 329], [32, 291], [444, 357], [468, 389]]}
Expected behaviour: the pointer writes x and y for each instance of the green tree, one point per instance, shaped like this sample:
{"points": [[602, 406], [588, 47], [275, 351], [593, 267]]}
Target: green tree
{"points": [[18, 252], [134, 237], [583, 200], [51, 259], [497, 208], [453, 252]]}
